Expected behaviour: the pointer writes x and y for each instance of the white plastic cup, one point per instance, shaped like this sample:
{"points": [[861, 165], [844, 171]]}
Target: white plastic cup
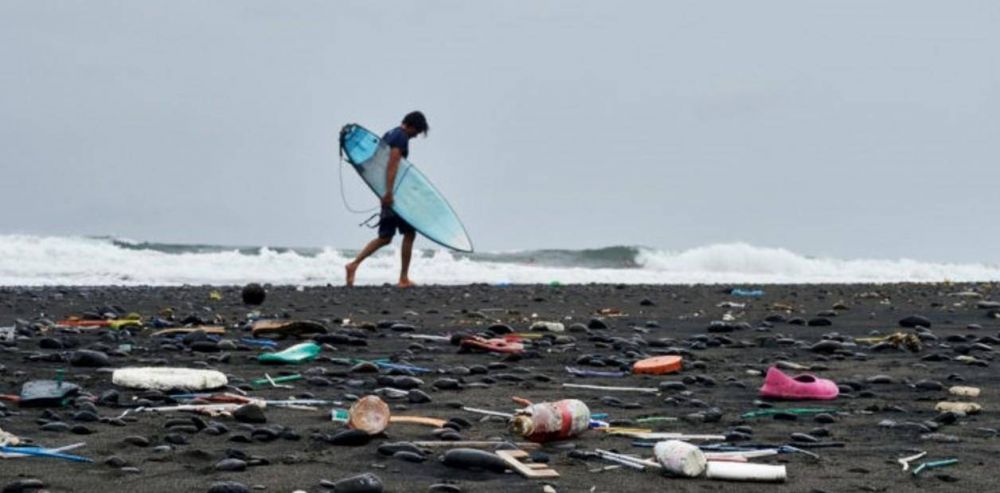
{"points": [[745, 471], [680, 458]]}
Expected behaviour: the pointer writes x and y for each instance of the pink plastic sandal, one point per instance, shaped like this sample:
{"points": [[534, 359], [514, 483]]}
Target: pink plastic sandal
{"points": [[777, 385]]}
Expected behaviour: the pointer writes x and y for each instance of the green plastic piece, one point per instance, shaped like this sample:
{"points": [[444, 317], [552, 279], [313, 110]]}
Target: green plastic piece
{"points": [[794, 410], [299, 353], [934, 464]]}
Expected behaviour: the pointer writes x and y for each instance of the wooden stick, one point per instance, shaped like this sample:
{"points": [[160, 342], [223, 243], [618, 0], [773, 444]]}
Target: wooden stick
{"points": [[418, 420]]}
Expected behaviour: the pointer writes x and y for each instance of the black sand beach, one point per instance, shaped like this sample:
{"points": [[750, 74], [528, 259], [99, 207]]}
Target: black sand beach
{"points": [[721, 378]]}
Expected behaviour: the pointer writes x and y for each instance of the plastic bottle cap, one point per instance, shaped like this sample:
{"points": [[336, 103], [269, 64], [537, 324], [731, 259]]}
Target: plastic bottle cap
{"points": [[658, 366]]}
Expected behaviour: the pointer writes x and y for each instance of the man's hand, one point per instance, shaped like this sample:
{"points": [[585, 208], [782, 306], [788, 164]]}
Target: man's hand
{"points": [[387, 200]]}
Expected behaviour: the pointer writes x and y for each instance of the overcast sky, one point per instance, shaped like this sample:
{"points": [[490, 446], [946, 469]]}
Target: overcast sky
{"points": [[846, 128]]}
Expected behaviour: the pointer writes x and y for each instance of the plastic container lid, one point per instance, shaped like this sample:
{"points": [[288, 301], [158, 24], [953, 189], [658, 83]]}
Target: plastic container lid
{"points": [[658, 366]]}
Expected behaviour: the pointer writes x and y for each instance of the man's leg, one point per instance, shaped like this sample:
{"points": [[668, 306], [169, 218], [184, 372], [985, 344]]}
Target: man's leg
{"points": [[369, 249], [405, 253]]}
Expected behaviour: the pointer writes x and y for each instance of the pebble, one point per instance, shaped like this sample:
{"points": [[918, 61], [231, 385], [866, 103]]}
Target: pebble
{"points": [[362, 483], [444, 488], [349, 438], [23, 486], [228, 487], [230, 465], [473, 459], [250, 413], [89, 358], [915, 321]]}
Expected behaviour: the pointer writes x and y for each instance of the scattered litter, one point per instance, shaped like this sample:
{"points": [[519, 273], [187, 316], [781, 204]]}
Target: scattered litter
{"points": [[933, 465], [611, 389], [680, 458], [208, 329], [795, 410], [958, 407], [549, 421], [578, 372], [659, 365], [737, 471], [168, 378], [280, 329], [299, 353], [962, 391], [905, 461], [528, 470], [747, 293]]}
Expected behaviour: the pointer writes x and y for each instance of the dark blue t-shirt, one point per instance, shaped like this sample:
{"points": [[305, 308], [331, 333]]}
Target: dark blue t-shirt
{"points": [[397, 138]]}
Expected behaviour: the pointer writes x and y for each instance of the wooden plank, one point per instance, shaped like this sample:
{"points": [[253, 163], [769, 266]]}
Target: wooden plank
{"points": [[209, 329], [526, 470]]}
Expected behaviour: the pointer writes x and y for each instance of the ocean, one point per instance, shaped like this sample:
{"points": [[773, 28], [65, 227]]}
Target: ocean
{"points": [[27, 260]]}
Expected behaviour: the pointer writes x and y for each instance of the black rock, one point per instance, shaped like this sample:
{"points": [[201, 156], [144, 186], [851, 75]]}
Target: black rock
{"points": [[228, 487], [250, 413], [362, 483], [348, 438], [826, 347], [230, 465], [23, 486], [447, 384], [467, 458], [416, 396], [819, 322], [88, 358], [915, 321], [409, 456], [253, 294]]}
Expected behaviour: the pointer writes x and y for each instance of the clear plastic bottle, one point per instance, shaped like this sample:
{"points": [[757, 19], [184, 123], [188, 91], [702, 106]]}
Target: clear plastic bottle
{"points": [[550, 421]]}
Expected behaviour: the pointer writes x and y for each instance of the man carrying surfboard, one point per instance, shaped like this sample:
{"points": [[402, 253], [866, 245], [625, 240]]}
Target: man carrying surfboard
{"points": [[398, 140]]}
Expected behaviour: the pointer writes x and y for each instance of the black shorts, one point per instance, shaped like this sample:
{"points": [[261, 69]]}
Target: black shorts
{"points": [[389, 222]]}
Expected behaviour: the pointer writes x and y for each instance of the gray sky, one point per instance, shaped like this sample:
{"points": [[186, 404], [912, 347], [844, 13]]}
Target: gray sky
{"points": [[847, 128]]}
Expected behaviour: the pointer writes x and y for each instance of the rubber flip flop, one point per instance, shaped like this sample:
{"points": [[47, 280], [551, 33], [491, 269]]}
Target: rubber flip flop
{"points": [[659, 365]]}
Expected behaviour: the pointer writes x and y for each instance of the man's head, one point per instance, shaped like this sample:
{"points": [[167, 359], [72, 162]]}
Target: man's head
{"points": [[415, 124]]}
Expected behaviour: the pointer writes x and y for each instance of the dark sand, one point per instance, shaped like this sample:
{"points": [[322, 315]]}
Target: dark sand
{"points": [[865, 463]]}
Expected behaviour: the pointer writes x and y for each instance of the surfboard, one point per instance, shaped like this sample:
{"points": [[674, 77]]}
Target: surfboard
{"points": [[414, 197]]}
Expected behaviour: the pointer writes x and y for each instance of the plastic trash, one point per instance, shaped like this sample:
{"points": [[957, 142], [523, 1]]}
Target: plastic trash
{"points": [[680, 458], [299, 353], [369, 414], [168, 378], [46, 392], [7, 334], [549, 421], [747, 293], [659, 365], [958, 407], [744, 471], [933, 465], [963, 391]]}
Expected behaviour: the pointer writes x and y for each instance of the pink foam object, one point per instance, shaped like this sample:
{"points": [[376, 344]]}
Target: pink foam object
{"points": [[777, 385]]}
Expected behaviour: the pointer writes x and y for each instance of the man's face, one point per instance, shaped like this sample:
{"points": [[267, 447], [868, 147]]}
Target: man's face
{"points": [[410, 131]]}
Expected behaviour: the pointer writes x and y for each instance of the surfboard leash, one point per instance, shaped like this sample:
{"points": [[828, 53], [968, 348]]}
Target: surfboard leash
{"points": [[343, 195]]}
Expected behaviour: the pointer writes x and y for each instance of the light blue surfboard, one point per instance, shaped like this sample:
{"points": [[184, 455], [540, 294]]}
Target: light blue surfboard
{"points": [[414, 198]]}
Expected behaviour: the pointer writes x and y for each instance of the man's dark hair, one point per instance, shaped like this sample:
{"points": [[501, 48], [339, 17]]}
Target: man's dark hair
{"points": [[417, 121]]}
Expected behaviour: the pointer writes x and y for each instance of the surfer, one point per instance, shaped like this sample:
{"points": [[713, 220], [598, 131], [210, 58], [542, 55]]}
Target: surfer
{"points": [[398, 140]]}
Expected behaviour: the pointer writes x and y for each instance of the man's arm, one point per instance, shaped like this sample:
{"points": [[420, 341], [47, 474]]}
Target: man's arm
{"points": [[390, 175]]}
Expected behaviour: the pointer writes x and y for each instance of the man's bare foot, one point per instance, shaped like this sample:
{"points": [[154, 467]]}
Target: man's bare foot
{"points": [[406, 283], [349, 273]]}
